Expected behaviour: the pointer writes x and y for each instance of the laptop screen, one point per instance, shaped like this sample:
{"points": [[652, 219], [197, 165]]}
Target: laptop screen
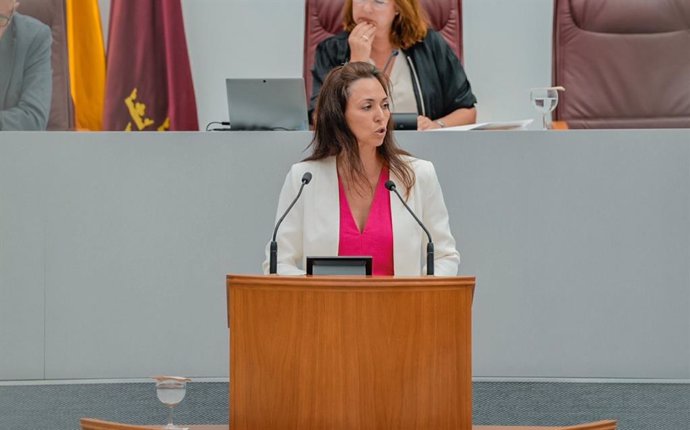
{"points": [[267, 104]]}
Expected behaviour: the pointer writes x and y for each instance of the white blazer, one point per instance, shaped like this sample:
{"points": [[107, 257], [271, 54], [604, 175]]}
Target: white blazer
{"points": [[312, 228]]}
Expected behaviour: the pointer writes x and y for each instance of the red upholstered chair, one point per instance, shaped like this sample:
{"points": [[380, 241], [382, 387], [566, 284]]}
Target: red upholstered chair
{"points": [[52, 13], [323, 19], [623, 63]]}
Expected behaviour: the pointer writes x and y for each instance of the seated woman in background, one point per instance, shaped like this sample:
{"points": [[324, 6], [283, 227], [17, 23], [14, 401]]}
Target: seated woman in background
{"points": [[426, 75], [346, 209]]}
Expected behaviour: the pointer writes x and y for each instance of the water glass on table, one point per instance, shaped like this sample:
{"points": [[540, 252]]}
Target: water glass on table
{"points": [[545, 101], [170, 391]]}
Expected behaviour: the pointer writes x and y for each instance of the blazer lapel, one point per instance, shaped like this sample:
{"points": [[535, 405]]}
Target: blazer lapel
{"points": [[405, 233], [325, 209]]}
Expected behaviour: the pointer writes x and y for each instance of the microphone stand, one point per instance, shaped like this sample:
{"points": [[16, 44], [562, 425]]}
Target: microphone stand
{"points": [[273, 256], [390, 185]]}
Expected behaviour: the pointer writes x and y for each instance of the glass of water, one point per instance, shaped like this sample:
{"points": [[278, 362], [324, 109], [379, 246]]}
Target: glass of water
{"points": [[545, 101], [171, 391]]}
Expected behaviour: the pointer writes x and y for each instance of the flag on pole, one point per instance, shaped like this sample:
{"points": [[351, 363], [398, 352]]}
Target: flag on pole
{"points": [[149, 80], [86, 62]]}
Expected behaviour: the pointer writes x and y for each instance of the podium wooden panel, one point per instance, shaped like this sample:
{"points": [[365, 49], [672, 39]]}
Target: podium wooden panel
{"points": [[350, 352], [92, 424]]}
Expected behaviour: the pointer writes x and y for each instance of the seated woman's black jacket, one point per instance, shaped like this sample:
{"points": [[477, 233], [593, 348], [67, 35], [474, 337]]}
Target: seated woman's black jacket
{"points": [[433, 65]]}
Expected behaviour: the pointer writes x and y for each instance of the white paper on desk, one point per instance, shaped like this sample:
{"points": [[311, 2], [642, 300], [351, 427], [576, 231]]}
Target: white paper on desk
{"points": [[503, 125]]}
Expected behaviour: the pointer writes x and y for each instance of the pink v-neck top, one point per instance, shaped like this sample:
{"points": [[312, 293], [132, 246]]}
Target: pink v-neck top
{"points": [[376, 239]]}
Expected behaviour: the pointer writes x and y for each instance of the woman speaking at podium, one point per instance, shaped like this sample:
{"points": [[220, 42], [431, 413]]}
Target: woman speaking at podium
{"points": [[346, 209]]}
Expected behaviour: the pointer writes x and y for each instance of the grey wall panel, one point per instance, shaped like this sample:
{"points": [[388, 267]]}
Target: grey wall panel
{"points": [[580, 245], [143, 232], [22, 252], [579, 240]]}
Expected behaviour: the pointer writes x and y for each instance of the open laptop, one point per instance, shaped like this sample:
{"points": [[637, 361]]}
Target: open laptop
{"points": [[267, 104]]}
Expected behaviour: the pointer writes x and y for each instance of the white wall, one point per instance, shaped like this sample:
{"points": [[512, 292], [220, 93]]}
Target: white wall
{"points": [[507, 49]]}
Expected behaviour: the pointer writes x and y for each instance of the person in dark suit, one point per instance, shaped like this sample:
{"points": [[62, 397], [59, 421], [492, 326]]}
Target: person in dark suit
{"points": [[25, 70]]}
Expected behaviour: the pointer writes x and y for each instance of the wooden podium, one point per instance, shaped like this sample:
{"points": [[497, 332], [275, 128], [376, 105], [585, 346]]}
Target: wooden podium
{"points": [[335, 352]]}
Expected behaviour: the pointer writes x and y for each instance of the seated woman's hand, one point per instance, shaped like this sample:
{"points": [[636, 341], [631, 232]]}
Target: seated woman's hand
{"points": [[360, 40], [425, 123]]}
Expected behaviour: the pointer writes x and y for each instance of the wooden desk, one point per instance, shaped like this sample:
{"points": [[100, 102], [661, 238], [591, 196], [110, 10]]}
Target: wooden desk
{"points": [[474, 427], [226, 427]]}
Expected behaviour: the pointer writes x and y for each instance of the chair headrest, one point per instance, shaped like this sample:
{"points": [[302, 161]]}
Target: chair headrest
{"points": [[631, 16]]}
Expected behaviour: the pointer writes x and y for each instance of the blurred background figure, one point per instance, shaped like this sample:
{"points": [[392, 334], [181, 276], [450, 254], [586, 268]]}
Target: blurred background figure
{"points": [[25, 70]]}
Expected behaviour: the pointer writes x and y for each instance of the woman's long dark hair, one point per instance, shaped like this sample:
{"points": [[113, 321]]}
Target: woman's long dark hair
{"points": [[333, 137]]}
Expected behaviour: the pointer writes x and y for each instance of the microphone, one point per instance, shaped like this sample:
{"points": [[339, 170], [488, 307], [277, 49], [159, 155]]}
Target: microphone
{"points": [[390, 186], [273, 259]]}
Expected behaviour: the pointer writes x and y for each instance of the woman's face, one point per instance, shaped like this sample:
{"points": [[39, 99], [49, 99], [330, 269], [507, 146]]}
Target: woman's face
{"points": [[377, 12], [367, 112]]}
